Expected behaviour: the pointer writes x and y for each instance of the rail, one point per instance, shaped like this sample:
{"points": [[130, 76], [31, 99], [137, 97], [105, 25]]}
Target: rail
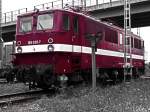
{"points": [[14, 98], [9, 17]]}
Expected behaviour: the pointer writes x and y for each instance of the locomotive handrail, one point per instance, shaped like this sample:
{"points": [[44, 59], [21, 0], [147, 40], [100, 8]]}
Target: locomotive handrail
{"points": [[11, 16]]}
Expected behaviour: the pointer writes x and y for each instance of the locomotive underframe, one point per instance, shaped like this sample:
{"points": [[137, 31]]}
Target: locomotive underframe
{"points": [[67, 67]]}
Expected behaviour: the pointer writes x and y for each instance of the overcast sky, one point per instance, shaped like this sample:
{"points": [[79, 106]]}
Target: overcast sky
{"points": [[9, 5]]}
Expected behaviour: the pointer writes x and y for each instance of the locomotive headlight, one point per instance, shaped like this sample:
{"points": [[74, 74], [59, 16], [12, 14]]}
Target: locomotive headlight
{"points": [[19, 50], [18, 43], [50, 48], [50, 40]]}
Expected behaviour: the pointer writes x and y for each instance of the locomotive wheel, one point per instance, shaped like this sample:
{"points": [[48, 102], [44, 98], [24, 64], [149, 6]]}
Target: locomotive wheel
{"points": [[46, 81], [103, 78], [86, 76]]}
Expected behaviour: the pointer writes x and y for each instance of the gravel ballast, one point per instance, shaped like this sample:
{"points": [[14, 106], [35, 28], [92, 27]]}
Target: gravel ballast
{"points": [[124, 97]]}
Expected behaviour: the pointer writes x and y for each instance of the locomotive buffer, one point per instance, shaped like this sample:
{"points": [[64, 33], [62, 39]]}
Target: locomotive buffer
{"points": [[94, 39]]}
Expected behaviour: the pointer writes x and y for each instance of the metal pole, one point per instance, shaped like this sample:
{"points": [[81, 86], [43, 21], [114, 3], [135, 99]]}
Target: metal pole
{"points": [[111, 2], [96, 2], [12, 16], [1, 40], [62, 5], [72, 3], [93, 65], [84, 5], [52, 5], [0, 21], [125, 60]]}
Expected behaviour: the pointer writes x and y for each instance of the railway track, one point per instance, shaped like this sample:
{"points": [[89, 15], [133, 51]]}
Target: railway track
{"points": [[21, 97], [145, 77], [3, 81]]}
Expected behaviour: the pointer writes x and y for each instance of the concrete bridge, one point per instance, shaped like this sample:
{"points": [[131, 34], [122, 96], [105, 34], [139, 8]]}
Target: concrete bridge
{"points": [[110, 11], [114, 12]]}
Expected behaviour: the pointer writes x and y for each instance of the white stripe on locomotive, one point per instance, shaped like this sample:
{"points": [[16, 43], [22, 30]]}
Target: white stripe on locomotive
{"points": [[73, 48]]}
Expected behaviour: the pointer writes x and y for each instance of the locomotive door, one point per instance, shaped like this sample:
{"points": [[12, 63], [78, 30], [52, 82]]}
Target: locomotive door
{"points": [[76, 39], [76, 43]]}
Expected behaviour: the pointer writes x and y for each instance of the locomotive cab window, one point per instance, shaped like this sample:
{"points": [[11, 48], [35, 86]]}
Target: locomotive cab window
{"points": [[66, 22], [45, 21], [75, 25], [25, 24]]}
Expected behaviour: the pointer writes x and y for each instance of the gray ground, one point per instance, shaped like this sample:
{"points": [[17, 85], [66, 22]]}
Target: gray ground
{"points": [[124, 97], [12, 88]]}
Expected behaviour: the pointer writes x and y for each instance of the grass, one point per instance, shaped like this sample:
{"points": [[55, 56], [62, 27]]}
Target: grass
{"points": [[124, 97]]}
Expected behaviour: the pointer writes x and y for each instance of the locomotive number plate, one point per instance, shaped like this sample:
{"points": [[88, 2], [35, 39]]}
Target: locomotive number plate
{"points": [[34, 42]]}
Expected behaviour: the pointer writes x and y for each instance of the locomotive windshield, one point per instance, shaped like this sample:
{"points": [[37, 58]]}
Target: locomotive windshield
{"points": [[25, 24], [45, 21]]}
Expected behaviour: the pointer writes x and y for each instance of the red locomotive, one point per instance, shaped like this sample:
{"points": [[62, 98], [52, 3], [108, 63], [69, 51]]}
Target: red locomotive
{"points": [[51, 46]]}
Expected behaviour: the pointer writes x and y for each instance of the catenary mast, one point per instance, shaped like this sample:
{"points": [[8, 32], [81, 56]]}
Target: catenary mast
{"points": [[127, 40]]}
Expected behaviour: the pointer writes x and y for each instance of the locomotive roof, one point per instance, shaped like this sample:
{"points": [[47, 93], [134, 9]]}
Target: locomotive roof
{"points": [[86, 16]]}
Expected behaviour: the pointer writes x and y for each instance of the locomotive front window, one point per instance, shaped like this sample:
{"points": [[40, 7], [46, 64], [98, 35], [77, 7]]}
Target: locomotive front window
{"points": [[45, 21], [25, 24]]}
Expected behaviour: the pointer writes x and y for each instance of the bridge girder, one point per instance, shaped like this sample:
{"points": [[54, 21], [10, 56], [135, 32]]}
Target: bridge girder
{"points": [[140, 14]]}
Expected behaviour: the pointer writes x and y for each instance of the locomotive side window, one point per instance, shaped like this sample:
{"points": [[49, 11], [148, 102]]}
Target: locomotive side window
{"points": [[142, 44], [132, 42], [45, 21], [75, 25], [128, 41], [137, 43], [25, 24], [66, 22], [111, 36]]}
